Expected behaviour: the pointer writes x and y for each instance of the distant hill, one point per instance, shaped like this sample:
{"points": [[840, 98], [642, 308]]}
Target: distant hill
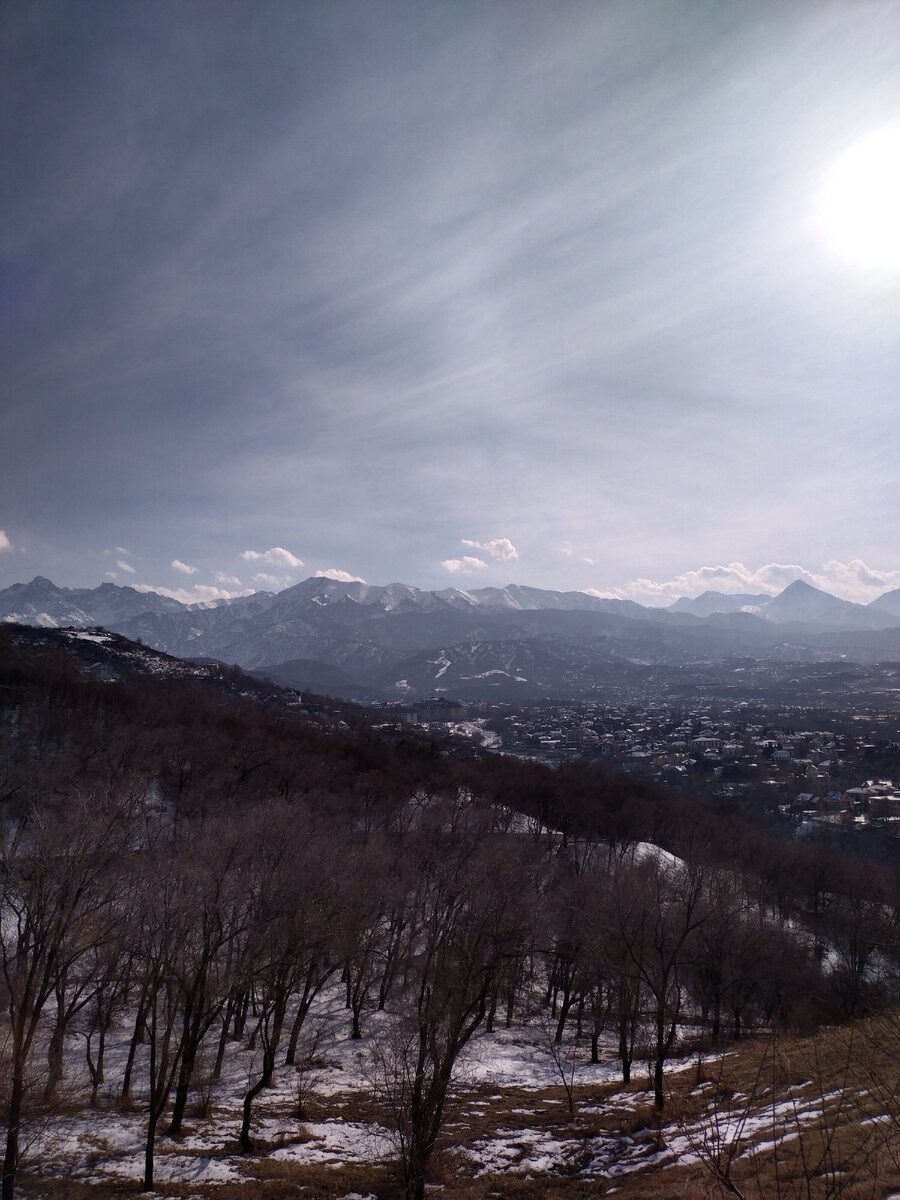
{"points": [[888, 603]]}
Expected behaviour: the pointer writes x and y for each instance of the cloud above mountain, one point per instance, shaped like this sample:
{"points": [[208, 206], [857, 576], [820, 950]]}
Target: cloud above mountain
{"points": [[339, 575], [853, 580], [277, 556], [501, 548], [467, 565], [200, 593]]}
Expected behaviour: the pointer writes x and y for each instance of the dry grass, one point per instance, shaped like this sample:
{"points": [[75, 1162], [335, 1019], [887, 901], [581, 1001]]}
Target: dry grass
{"points": [[274, 1179], [786, 1119], [812, 1119]]}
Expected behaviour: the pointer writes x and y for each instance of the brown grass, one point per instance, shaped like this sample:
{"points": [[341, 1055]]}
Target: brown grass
{"points": [[828, 1145]]}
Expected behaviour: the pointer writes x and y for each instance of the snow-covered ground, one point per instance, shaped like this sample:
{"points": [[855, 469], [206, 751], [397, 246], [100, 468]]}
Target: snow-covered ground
{"points": [[509, 1115]]}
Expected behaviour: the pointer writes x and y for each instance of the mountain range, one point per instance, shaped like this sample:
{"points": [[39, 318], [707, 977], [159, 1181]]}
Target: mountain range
{"points": [[394, 641]]}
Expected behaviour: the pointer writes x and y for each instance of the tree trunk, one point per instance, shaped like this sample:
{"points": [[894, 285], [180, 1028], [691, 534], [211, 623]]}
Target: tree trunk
{"points": [[95, 1067], [223, 1039], [101, 1054], [240, 1016], [299, 1018], [624, 1048], [136, 1038], [492, 1010], [268, 1068], [182, 1090], [56, 1045], [659, 1099], [510, 1005], [311, 988], [149, 1152], [664, 1040], [563, 1015], [11, 1158]]}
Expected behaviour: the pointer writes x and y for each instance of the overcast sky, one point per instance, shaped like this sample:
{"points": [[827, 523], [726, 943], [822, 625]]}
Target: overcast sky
{"points": [[452, 292]]}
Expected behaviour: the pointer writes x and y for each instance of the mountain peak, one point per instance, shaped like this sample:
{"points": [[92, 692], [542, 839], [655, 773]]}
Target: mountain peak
{"points": [[801, 588]]}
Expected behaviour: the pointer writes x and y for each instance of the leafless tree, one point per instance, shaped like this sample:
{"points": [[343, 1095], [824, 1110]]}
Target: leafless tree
{"points": [[666, 906], [290, 946], [58, 872], [473, 911]]}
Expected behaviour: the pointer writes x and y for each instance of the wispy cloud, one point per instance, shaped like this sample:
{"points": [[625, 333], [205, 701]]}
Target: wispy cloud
{"points": [[567, 552], [277, 556], [126, 567], [183, 567], [5, 543], [467, 565], [501, 548], [548, 311]]}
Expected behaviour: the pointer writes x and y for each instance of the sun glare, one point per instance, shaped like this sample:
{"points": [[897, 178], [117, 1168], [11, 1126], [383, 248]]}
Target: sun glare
{"points": [[860, 208]]}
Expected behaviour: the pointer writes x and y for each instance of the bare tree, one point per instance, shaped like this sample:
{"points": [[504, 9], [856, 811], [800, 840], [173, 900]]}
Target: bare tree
{"points": [[290, 947], [58, 870], [165, 925], [473, 912], [666, 903]]}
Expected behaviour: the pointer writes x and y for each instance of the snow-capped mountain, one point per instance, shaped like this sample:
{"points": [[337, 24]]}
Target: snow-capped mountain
{"points": [[799, 603], [42, 603], [364, 636]]}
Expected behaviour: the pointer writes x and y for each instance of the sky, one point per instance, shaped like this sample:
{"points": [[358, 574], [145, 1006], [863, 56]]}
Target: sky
{"points": [[602, 295]]}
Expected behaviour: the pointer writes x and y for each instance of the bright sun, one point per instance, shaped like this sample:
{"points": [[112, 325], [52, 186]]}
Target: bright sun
{"points": [[860, 207]]}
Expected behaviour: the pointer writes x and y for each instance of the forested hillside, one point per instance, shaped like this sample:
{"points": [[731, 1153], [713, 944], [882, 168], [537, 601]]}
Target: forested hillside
{"points": [[208, 901]]}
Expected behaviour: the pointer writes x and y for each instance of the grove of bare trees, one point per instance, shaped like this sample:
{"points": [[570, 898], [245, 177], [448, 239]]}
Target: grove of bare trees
{"points": [[196, 871]]}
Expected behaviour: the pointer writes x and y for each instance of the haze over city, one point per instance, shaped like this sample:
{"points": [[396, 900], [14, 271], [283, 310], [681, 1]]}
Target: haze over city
{"points": [[588, 296]]}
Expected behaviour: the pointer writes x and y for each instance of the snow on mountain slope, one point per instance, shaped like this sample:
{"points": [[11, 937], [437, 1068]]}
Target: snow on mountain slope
{"points": [[377, 634]]}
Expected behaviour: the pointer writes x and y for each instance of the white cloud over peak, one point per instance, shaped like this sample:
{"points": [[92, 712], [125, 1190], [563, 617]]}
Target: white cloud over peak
{"points": [[854, 580], [501, 548], [184, 568], [5, 543], [467, 565], [733, 577], [339, 575], [277, 556], [200, 593], [273, 582], [124, 566]]}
